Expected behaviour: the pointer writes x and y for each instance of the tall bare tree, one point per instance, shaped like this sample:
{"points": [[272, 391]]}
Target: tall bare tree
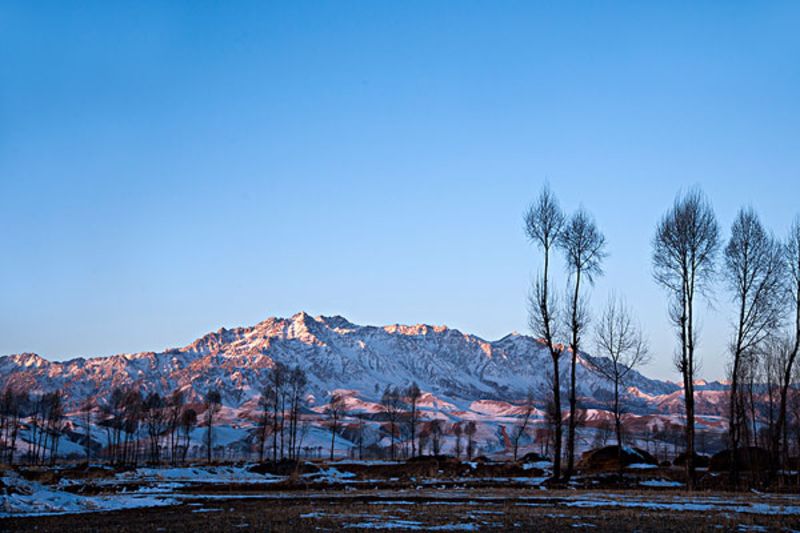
{"points": [[792, 251], [621, 348], [583, 245], [685, 247], [754, 264], [544, 222]]}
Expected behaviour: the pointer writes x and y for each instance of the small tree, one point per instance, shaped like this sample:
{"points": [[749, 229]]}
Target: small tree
{"points": [[413, 394], [188, 423], [437, 428], [521, 427], [213, 402], [391, 403], [154, 419], [457, 432], [624, 348], [273, 392], [470, 431], [87, 408], [174, 408], [335, 410], [298, 381]]}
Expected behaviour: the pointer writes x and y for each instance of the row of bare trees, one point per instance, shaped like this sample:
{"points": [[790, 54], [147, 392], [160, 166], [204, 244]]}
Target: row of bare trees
{"points": [[762, 274], [281, 406], [551, 317], [167, 423], [45, 425]]}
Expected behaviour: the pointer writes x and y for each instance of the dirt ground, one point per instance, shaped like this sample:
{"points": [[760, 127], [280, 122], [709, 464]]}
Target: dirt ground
{"points": [[427, 510]]}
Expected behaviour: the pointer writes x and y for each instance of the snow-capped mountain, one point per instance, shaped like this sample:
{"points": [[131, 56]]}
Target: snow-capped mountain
{"points": [[455, 368]]}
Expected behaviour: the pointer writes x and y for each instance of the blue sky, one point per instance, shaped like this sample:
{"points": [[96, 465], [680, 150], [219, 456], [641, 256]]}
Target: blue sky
{"points": [[169, 169]]}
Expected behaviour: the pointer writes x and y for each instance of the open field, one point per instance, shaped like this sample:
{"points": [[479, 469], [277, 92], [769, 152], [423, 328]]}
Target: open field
{"points": [[442, 510], [429, 494]]}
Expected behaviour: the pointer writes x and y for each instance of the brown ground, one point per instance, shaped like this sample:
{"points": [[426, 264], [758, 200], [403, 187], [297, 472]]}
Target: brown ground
{"points": [[445, 510]]}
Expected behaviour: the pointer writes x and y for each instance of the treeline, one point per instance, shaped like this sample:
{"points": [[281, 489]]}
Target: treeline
{"points": [[691, 261]]}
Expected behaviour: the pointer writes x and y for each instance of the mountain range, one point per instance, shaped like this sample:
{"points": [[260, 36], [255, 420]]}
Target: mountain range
{"points": [[455, 368]]}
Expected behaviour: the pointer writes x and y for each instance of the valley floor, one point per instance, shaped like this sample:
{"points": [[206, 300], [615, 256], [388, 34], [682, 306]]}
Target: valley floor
{"points": [[441, 510], [426, 494]]}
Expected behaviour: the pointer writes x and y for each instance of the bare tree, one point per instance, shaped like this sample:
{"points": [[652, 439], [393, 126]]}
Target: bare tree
{"points": [[298, 381], [413, 394], [335, 410], [621, 348], [155, 421], [174, 408], [360, 435], [544, 223], [684, 255], [12, 403], [436, 428], [213, 401], [86, 410], [273, 391], [131, 418], [583, 246], [754, 274], [521, 427], [457, 432], [792, 251], [392, 405], [470, 431], [265, 403], [188, 423]]}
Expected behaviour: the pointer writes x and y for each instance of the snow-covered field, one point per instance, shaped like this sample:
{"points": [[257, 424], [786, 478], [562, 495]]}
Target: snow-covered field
{"points": [[159, 487]]}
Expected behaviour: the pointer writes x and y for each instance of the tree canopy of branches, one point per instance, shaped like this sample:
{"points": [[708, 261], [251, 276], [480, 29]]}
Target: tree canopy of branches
{"points": [[583, 246], [753, 270], [544, 222], [621, 348], [685, 247]]}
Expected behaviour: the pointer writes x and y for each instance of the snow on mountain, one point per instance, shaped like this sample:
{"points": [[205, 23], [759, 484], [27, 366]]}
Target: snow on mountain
{"points": [[454, 369]]}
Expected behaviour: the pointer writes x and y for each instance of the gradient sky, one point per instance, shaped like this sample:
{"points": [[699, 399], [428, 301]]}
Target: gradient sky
{"points": [[167, 169]]}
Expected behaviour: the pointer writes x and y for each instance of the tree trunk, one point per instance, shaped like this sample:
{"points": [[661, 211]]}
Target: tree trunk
{"points": [[573, 401]]}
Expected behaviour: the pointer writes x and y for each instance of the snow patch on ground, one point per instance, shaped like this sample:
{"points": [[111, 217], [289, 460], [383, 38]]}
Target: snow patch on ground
{"points": [[30, 498], [660, 483]]}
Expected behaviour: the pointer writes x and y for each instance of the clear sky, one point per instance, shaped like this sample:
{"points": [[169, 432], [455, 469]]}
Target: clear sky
{"points": [[170, 168]]}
